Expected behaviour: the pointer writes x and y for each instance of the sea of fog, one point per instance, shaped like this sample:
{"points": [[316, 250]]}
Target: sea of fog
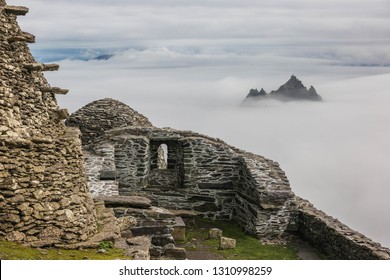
{"points": [[335, 153]]}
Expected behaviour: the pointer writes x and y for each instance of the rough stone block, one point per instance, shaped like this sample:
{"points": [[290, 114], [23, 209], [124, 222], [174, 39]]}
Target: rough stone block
{"points": [[126, 223], [227, 243], [15, 236], [108, 175], [176, 253], [179, 229], [16, 10], [162, 240], [126, 201], [215, 233]]}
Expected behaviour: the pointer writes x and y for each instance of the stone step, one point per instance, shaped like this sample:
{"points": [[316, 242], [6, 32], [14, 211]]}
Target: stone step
{"points": [[125, 201], [150, 230], [55, 90], [41, 67], [16, 10], [24, 37]]}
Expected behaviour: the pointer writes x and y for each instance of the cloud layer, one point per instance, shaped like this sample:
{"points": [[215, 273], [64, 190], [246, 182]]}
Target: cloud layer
{"points": [[350, 31]]}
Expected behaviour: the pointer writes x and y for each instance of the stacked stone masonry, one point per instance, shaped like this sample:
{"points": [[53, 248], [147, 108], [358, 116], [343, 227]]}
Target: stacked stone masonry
{"points": [[333, 238], [206, 176], [44, 198], [202, 174]]}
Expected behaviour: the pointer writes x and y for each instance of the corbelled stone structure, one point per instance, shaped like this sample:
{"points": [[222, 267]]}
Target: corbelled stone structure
{"points": [[102, 115], [211, 179], [45, 201], [44, 198], [201, 174]]}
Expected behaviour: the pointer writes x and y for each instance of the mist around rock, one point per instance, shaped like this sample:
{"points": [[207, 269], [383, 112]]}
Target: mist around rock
{"points": [[292, 90]]}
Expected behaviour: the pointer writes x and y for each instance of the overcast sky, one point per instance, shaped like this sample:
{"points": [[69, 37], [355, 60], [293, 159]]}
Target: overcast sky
{"points": [[188, 64]]}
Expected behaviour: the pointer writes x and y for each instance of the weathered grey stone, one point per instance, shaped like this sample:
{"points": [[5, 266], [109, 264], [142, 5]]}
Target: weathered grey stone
{"points": [[140, 247], [175, 253], [162, 240], [125, 201], [126, 223], [215, 233], [15, 236], [16, 10], [108, 175], [227, 243], [179, 229]]}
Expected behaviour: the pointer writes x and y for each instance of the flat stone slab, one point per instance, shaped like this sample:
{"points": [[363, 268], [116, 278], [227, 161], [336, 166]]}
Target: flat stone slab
{"points": [[126, 201], [184, 213]]}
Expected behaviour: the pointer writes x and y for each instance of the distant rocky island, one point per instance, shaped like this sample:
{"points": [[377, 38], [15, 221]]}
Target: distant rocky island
{"points": [[293, 89]]}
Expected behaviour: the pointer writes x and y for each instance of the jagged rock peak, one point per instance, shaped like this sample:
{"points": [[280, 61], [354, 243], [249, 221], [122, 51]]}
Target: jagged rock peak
{"points": [[293, 89], [109, 114], [292, 83], [256, 93]]}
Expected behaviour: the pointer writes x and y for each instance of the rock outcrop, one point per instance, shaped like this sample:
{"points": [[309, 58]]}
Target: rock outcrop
{"points": [[293, 89]]}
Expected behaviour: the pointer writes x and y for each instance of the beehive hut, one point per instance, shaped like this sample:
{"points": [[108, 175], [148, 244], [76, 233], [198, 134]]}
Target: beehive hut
{"points": [[44, 198]]}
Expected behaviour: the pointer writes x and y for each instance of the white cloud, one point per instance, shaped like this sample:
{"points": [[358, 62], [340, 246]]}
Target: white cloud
{"points": [[256, 25]]}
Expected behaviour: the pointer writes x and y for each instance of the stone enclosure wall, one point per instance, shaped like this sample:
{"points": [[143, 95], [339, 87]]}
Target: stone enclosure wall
{"points": [[333, 238], [44, 198], [202, 174], [217, 181]]}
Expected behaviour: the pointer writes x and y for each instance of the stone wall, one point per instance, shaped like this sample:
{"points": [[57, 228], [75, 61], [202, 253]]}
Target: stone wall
{"points": [[102, 115], [333, 238], [215, 180], [263, 198], [203, 174], [44, 198]]}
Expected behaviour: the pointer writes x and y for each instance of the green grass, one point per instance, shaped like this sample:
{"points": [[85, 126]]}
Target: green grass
{"points": [[14, 251], [248, 247]]}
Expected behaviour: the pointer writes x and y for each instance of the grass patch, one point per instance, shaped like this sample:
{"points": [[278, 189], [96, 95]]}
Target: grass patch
{"points": [[14, 251], [248, 247]]}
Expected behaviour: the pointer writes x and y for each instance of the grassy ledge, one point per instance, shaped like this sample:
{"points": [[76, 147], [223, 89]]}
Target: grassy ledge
{"points": [[248, 247], [14, 251]]}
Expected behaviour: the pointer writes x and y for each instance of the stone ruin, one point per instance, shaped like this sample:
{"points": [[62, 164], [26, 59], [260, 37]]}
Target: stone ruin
{"points": [[202, 174], [186, 174], [150, 178]]}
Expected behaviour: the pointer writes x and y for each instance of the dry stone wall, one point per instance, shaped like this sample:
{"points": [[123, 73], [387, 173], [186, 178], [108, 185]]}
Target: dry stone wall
{"points": [[203, 174], [263, 201], [44, 198], [102, 115], [333, 238]]}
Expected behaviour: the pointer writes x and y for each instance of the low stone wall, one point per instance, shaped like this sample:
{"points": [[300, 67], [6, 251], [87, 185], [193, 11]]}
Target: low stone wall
{"points": [[335, 239], [203, 174], [263, 199]]}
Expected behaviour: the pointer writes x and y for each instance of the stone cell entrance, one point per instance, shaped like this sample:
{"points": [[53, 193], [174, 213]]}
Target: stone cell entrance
{"points": [[165, 164]]}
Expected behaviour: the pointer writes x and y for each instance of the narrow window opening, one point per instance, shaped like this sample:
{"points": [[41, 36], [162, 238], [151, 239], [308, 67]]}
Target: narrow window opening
{"points": [[162, 156]]}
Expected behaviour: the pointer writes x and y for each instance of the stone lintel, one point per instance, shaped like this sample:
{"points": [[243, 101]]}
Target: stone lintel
{"points": [[33, 66], [24, 37], [16, 10], [50, 67], [41, 67], [55, 90], [29, 38]]}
